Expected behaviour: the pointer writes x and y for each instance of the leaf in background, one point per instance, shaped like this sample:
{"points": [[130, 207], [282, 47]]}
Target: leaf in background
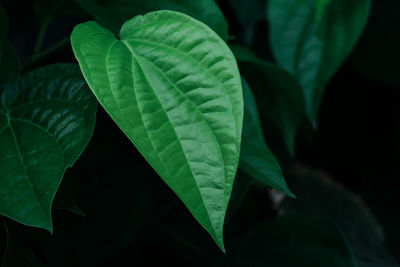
{"points": [[50, 9], [240, 190], [65, 199], [47, 121], [180, 105], [113, 13], [278, 95], [377, 54], [16, 254], [248, 13], [117, 203], [296, 241], [312, 38], [256, 159], [318, 195], [9, 62]]}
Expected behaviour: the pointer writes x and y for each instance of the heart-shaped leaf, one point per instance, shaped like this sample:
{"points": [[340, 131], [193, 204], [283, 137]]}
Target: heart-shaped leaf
{"points": [[173, 87], [113, 13], [311, 39], [256, 159], [46, 121]]}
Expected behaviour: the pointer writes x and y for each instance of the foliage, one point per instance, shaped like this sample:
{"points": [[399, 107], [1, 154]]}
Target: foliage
{"points": [[223, 119]]}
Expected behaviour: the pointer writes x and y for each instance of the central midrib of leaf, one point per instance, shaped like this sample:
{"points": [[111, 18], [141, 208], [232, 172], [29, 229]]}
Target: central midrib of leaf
{"points": [[203, 69], [138, 58], [21, 158]]}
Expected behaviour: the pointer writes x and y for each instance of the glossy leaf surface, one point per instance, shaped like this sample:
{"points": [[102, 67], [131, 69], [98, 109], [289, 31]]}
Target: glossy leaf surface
{"points": [[46, 120], [172, 85], [312, 38], [113, 13], [256, 159]]}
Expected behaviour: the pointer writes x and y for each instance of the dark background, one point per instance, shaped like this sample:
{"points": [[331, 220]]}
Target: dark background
{"points": [[357, 143]]}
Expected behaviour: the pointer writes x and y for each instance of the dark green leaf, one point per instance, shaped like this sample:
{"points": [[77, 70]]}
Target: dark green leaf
{"points": [[378, 54], [296, 241], [113, 13], [48, 120], [311, 38], [277, 94], [179, 104], [318, 195], [64, 199], [31, 164], [256, 158], [248, 13], [117, 203]]}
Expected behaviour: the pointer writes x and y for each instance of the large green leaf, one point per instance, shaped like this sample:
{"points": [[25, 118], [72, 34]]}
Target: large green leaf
{"points": [[319, 195], [46, 120], [256, 158], [311, 38], [278, 94], [173, 87], [296, 241], [113, 13]]}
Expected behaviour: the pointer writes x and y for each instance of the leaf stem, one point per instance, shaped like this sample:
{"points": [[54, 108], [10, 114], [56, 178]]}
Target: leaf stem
{"points": [[3, 263], [41, 35], [45, 52]]}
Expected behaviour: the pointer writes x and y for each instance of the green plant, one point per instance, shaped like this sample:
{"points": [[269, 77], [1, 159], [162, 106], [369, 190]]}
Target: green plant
{"points": [[202, 108]]}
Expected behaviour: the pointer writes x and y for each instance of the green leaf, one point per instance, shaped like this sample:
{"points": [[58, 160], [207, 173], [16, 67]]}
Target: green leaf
{"points": [[277, 94], [180, 105], [117, 205], [319, 195], [249, 12], [113, 13], [47, 121], [256, 159], [312, 38], [296, 241]]}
